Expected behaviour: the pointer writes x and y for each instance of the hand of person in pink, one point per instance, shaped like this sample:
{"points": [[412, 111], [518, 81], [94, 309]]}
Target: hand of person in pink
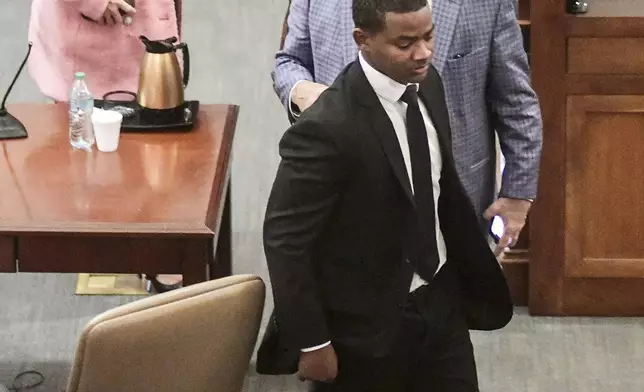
{"points": [[115, 12]]}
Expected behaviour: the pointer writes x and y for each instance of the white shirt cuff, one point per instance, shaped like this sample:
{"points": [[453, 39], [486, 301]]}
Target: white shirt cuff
{"points": [[308, 350], [292, 108]]}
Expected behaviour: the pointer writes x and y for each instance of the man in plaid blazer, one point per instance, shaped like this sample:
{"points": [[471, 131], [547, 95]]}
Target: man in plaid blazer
{"points": [[480, 57]]}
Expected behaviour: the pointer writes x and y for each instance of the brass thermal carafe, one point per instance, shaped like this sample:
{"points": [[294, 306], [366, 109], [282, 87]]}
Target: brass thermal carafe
{"points": [[161, 82]]}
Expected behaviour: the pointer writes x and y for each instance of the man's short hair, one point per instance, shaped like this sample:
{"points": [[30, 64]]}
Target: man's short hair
{"points": [[369, 15]]}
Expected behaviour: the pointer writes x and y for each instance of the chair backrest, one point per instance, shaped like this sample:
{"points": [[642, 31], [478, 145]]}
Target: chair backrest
{"points": [[198, 338]]}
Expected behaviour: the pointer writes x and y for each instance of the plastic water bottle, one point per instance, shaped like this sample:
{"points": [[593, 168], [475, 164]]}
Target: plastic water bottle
{"points": [[81, 105]]}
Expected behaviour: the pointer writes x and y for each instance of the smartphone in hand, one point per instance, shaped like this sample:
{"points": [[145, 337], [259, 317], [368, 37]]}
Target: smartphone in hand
{"points": [[497, 228]]}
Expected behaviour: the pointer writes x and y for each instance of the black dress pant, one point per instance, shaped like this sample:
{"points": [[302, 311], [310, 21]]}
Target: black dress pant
{"points": [[432, 353]]}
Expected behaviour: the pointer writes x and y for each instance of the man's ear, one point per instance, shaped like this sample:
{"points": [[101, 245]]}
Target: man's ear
{"points": [[361, 38]]}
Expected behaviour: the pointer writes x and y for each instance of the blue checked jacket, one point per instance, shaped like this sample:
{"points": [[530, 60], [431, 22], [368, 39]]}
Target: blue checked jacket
{"points": [[480, 57]]}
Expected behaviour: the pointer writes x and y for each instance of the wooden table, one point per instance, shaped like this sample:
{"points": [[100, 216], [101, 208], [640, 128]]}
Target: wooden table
{"points": [[157, 205]]}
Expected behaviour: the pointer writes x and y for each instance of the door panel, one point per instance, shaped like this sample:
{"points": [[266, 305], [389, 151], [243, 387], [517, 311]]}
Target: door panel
{"points": [[601, 271], [605, 187]]}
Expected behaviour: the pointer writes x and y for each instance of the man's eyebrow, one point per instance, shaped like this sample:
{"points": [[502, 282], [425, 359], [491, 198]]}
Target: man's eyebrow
{"points": [[412, 38]]}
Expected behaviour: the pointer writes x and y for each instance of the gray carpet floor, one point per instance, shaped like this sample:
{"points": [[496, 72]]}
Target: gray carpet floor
{"points": [[232, 45]]}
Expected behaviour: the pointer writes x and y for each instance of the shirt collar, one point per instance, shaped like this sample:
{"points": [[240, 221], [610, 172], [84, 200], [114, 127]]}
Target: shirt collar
{"points": [[382, 84]]}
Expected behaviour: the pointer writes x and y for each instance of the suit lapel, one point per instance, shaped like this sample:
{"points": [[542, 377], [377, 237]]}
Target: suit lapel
{"points": [[375, 115], [445, 17], [381, 124]]}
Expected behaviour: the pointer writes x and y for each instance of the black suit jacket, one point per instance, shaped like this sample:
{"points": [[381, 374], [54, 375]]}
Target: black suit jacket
{"points": [[341, 223]]}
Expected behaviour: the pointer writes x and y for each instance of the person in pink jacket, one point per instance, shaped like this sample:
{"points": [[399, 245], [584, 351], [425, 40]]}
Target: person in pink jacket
{"points": [[98, 37]]}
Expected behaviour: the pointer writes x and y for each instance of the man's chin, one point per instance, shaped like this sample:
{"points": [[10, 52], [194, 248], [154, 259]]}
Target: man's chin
{"points": [[415, 77], [418, 77]]}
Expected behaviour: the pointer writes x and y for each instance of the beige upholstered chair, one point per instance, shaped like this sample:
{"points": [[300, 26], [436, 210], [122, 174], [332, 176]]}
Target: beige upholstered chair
{"points": [[198, 338]]}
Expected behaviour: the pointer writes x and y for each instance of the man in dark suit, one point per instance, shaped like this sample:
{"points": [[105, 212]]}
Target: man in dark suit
{"points": [[378, 266], [480, 57]]}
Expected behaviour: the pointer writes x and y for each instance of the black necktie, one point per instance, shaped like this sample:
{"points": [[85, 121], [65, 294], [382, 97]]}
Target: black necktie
{"points": [[426, 262]]}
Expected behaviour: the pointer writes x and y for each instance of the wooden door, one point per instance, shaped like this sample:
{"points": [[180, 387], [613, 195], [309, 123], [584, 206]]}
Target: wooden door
{"points": [[601, 270]]}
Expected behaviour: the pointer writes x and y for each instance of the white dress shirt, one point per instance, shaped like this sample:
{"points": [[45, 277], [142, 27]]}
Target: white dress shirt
{"points": [[389, 92]]}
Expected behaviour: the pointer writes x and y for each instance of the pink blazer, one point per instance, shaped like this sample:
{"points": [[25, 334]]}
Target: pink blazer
{"points": [[110, 56]]}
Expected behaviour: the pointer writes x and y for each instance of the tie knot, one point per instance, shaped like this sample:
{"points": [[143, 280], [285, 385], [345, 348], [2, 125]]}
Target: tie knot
{"points": [[410, 96]]}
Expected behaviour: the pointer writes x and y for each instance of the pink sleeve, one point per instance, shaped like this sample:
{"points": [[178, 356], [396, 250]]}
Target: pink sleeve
{"points": [[93, 9]]}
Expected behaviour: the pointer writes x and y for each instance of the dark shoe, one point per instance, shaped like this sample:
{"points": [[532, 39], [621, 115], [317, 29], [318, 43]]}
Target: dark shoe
{"points": [[159, 287]]}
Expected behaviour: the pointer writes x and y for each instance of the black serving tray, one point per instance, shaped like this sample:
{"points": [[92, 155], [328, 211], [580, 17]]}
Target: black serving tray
{"points": [[138, 119]]}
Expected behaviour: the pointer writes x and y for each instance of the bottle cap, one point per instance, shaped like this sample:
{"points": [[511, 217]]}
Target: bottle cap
{"points": [[79, 75]]}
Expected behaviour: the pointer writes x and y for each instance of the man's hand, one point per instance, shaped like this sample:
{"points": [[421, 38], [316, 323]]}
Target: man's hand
{"points": [[319, 365], [306, 93], [513, 212], [112, 14]]}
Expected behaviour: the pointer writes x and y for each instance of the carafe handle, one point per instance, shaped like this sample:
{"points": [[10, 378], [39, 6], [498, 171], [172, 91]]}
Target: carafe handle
{"points": [[186, 62]]}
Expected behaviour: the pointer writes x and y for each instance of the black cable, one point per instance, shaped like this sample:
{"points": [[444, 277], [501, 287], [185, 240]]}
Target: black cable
{"points": [[29, 379], [3, 109]]}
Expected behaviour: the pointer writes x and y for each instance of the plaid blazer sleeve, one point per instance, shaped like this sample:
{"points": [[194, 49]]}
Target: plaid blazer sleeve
{"points": [[294, 61], [516, 114]]}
